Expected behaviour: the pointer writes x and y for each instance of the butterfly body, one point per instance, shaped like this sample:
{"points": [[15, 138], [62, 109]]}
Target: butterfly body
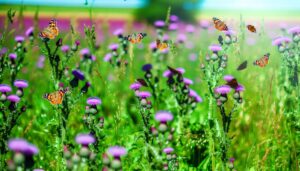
{"points": [[51, 31], [233, 83], [251, 28], [220, 25], [263, 61], [161, 45], [136, 38], [56, 97]]}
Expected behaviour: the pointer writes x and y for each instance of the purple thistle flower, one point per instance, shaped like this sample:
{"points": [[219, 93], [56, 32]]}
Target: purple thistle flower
{"points": [[144, 94], [19, 39], [78, 74], [93, 58], [187, 81], [196, 97], [13, 98], [29, 31], [190, 28], [65, 48], [147, 67], [280, 40], [204, 24], [165, 37], [40, 63], [21, 83], [117, 151], [167, 74], [168, 150], [294, 30], [223, 89], [173, 27], [93, 101], [85, 52], [135, 86], [228, 78], [173, 18], [113, 47], [118, 32], [181, 38], [5, 88], [229, 32], [107, 57], [85, 139], [3, 51], [215, 48], [159, 23], [153, 46], [193, 57], [31, 150], [21, 145], [12, 56], [77, 42], [231, 160], [239, 88], [163, 116]]}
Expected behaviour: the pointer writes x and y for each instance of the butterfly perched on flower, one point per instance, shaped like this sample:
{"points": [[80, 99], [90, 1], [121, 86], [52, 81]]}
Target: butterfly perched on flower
{"points": [[56, 97], [51, 31], [136, 38], [251, 28], [233, 83], [220, 25], [263, 61], [161, 45]]}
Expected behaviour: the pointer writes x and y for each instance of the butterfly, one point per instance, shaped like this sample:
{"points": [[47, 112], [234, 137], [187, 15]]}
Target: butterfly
{"points": [[251, 28], [233, 83], [263, 61], [161, 45], [142, 82], [56, 97], [136, 38], [242, 66], [51, 31], [220, 25], [173, 70]]}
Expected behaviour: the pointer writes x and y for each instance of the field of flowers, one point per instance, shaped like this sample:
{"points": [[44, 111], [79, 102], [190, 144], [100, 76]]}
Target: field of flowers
{"points": [[90, 99]]}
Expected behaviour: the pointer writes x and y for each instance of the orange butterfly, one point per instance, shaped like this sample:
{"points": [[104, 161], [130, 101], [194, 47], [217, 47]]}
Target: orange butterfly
{"points": [[56, 97], [263, 61], [251, 28], [51, 31], [136, 38], [161, 45], [220, 25]]}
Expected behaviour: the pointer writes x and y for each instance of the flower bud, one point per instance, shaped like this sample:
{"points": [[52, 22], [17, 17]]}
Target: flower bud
{"points": [[3, 97], [84, 152], [214, 56], [19, 158], [162, 127], [75, 159], [227, 40], [116, 164], [236, 95]]}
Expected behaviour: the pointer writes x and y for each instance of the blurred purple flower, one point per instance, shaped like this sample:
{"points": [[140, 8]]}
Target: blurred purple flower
{"points": [[21, 145], [239, 88], [85, 52], [153, 45], [168, 150], [118, 32], [77, 42], [135, 86], [196, 97], [113, 47], [193, 57], [181, 38], [107, 57], [5, 88], [165, 37], [21, 83], [280, 40], [12, 56], [204, 24], [163, 116], [173, 18], [13, 98], [159, 23], [187, 81], [223, 89], [93, 58], [294, 30], [85, 139], [3, 51], [29, 31], [65, 48], [228, 78], [173, 26], [19, 39], [144, 94], [147, 67], [40, 63], [117, 151], [93, 101], [215, 48], [78, 74], [190, 28], [229, 32]]}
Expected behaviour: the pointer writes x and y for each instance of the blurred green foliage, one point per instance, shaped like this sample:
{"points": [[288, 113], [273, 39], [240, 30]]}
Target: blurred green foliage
{"points": [[156, 10]]}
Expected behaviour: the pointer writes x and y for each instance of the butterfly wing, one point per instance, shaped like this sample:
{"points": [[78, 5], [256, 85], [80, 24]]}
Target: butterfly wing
{"points": [[51, 31], [233, 83], [242, 66], [251, 28], [262, 62], [55, 98], [220, 25], [142, 81]]}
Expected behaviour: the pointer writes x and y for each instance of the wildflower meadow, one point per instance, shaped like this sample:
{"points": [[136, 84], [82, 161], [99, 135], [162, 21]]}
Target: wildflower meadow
{"points": [[99, 89]]}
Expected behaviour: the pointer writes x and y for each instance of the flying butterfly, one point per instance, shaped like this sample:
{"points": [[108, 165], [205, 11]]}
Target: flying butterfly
{"points": [[242, 66], [263, 61], [251, 28], [161, 45], [220, 25], [56, 97], [51, 31], [136, 38], [142, 82]]}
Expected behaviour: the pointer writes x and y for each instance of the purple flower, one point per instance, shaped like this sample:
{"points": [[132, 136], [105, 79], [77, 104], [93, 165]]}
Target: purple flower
{"points": [[31, 150], [117, 151], [144, 94], [294, 30], [239, 88], [21, 83], [85, 139], [187, 81], [93, 58], [113, 47], [19, 39], [13, 98], [77, 42], [12, 56], [21, 145], [3, 51], [93, 101], [163, 116], [231, 160], [85, 52], [65, 48], [153, 45], [165, 37], [193, 57], [168, 150], [196, 97], [29, 31], [159, 23], [181, 38], [147, 67], [228, 78], [173, 26], [167, 74], [107, 57], [280, 40], [173, 18], [229, 32], [215, 48], [40, 63], [5, 88], [118, 32], [204, 24], [78, 74], [135, 86], [190, 28], [223, 89]]}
